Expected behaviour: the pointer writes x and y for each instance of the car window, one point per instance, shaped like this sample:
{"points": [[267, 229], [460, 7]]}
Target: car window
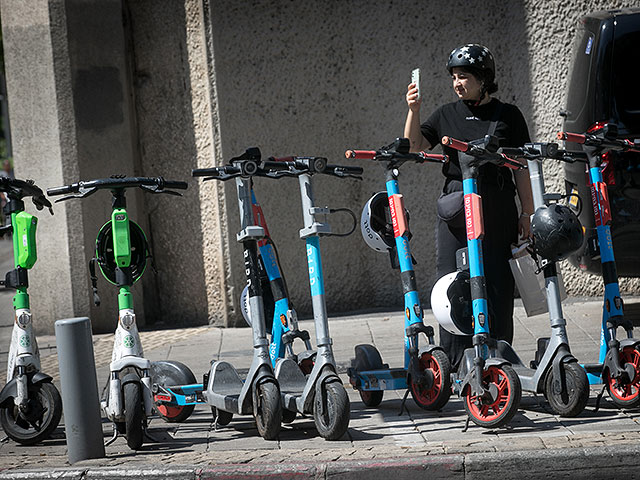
{"points": [[626, 73], [580, 67]]}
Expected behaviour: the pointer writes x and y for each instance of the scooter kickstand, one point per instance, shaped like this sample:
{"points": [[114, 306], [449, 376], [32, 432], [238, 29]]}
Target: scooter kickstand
{"points": [[466, 424], [404, 399], [113, 438], [598, 398]]}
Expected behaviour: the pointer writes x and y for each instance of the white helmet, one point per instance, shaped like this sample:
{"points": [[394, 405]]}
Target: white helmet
{"points": [[451, 303], [375, 223]]}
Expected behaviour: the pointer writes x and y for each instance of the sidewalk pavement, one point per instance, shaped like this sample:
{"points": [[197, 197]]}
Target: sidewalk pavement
{"points": [[379, 443]]}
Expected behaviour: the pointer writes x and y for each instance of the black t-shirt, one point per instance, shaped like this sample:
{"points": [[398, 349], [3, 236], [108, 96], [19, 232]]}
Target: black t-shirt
{"points": [[463, 122]]}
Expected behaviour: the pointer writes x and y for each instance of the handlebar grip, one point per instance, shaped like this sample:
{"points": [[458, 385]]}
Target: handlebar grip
{"points": [[456, 144], [204, 172], [61, 190], [175, 184], [434, 157], [281, 163], [348, 169], [360, 154], [511, 151], [281, 159], [571, 137]]}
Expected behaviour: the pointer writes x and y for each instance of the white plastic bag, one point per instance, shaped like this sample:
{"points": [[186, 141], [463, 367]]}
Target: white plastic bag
{"points": [[531, 285]]}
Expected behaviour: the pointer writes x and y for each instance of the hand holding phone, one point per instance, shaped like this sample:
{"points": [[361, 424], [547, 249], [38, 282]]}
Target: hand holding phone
{"points": [[415, 78]]}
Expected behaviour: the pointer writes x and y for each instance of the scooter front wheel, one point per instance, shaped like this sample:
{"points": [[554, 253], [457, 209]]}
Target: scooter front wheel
{"points": [[500, 409], [437, 364], [38, 420], [572, 402], [625, 395], [133, 414], [267, 409], [331, 411], [170, 373]]}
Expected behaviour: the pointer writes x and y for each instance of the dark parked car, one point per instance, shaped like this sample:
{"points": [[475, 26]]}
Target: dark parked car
{"points": [[604, 86]]}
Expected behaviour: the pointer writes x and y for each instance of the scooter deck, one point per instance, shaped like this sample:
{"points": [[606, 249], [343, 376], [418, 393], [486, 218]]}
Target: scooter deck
{"points": [[384, 379]]}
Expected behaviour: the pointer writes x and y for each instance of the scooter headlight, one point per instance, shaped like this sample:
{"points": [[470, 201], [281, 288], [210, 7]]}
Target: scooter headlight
{"points": [[127, 320], [24, 319]]}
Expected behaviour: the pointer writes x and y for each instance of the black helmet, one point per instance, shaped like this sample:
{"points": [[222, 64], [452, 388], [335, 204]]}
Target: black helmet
{"points": [[105, 255], [475, 57], [557, 232]]}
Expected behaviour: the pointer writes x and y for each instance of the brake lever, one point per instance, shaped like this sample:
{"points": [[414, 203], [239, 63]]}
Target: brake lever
{"points": [[41, 202], [281, 173], [157, 189], [343, 174], [82, 193]]}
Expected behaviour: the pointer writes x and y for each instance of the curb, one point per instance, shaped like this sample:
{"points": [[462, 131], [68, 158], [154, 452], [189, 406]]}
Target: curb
{"points": [[596, 462]]}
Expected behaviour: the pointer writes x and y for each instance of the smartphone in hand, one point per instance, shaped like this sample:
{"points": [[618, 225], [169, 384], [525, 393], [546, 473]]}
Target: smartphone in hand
{"points": [[415, 78]]}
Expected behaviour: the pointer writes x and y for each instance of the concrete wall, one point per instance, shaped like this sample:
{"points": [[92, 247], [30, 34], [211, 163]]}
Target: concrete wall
{"points": [[194, 83]]}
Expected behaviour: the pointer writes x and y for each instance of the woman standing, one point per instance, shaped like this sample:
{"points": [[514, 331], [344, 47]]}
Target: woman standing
{"points": [[473, 116]]}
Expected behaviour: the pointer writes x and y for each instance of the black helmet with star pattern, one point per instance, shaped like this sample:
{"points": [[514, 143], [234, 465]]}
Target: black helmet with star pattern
{"points": [[474, 57]]}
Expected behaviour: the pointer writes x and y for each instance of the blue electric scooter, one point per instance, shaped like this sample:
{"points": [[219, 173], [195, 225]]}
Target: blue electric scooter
{"points": [[385, 227], [320, 391], [487, 381], [619, 361]]}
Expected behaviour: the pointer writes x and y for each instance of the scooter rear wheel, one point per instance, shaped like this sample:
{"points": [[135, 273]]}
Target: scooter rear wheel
{"points": [[133, 414], [221, 417], [577, 391], [625, 395], [500, 412], [39, 421], [438, 395], [169, 373], [267, 409], [331, 413], [368, 358]]}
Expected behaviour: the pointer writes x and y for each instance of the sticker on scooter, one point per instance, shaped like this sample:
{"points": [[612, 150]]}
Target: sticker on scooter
{"points": [[473, 216], [129, 341], [398, 218]]}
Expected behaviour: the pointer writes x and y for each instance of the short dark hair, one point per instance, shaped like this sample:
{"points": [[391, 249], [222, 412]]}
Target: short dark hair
{"points": [[483, 76]]}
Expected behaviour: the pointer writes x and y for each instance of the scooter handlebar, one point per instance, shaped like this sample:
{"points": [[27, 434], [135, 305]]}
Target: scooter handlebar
{"points": [[386, 155], [482, 153], [360, 154], [62, 190], [456, 144], [572, 137]]}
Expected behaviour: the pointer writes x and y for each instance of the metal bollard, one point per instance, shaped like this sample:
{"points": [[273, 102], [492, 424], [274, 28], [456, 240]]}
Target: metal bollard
{"points": [[82, 418]]}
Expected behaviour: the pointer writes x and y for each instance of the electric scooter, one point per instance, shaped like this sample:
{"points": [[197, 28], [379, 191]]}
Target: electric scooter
{"points": [[319, 391], [121, 255], [426, 372], [555, 371], [619, 360], [294, 371], [30, 404], [175, 401], [259, 392], [487, 381]]}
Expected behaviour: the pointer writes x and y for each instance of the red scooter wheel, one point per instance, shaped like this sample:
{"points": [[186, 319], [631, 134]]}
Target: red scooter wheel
{"points": [[625, 394], [437, 363], [504, 381]]}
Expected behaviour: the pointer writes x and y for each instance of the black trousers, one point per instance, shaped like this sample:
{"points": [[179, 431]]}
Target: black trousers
{"points": [[501, 230]]}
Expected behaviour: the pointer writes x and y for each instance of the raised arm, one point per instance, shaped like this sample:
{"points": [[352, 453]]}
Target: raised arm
{"points": [[412, 124]]}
